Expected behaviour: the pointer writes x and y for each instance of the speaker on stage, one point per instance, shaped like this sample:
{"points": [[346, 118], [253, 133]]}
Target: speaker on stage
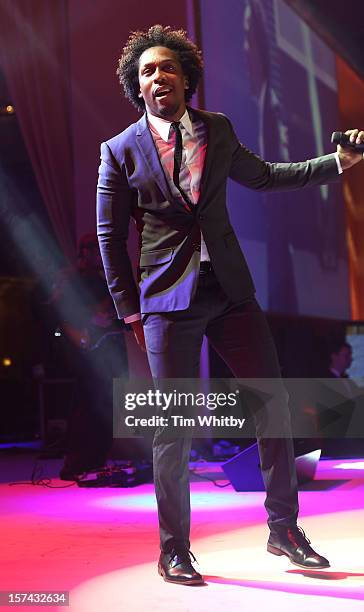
{"points": [[243, 470]]}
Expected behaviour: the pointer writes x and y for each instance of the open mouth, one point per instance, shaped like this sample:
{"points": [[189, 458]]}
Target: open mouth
{"points": [[161, 92]]}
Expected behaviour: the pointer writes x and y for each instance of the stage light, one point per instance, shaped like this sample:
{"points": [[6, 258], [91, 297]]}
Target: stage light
{"points": [[7, 362], [10, 109], [143, 500], [353, 465]]}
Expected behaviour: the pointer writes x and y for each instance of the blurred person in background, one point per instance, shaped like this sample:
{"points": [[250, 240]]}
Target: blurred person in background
{"points": [[96, 353]]}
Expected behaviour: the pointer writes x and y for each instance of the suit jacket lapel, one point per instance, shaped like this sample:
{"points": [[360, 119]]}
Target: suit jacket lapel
{"points": [[210, 149], [148, 149]]}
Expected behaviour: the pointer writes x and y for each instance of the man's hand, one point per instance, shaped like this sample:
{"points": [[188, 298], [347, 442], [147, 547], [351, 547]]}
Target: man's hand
{"points": [[349, 157], [139, 333]]}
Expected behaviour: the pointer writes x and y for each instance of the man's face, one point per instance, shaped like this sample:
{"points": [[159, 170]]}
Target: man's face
{"points": [[162, 83], [90, 257], [342, 360]]}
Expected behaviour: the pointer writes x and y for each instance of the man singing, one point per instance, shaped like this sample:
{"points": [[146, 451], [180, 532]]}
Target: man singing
{"points": [[169, 172]]}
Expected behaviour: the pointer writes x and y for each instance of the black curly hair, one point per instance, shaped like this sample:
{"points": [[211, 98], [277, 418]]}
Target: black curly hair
{"points": [[189, 56]]}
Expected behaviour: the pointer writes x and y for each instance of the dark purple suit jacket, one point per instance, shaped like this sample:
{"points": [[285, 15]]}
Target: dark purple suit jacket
{"points": [[132, 184]]}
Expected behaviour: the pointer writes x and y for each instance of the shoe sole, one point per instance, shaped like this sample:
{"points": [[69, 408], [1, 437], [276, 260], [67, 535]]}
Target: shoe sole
{"points": [[278, 552], [186, 582]]}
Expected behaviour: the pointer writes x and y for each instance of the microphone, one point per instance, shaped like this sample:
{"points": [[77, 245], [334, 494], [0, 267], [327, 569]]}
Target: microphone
{"points": [[342, 139]]}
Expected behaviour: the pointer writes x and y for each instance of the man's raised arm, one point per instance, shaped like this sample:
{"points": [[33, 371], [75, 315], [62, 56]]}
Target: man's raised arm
{"points": [[251, 171]]}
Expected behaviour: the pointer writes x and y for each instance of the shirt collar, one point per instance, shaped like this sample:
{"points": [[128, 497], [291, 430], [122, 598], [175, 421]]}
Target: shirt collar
{"points": [[163, 126]]}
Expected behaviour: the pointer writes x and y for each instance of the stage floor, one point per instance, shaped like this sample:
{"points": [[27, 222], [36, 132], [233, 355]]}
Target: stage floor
{"points": [[102, 544]]}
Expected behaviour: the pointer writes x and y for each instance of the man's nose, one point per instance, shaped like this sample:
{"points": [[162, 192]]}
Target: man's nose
{"points": [[159, 75]]}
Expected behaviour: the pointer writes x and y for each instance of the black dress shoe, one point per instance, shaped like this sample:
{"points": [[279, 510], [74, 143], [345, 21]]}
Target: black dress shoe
{"points": [[293, 543], [176, 567]]}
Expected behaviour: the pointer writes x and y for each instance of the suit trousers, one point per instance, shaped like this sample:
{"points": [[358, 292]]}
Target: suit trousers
{"points": [[241, 336]]}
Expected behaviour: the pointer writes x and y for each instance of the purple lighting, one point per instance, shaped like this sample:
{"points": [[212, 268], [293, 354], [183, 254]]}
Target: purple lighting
{"points": [[350, 465], [202, 499]]}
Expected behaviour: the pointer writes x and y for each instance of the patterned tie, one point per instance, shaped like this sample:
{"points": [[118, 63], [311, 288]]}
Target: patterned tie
{"points": [[177, 163]]}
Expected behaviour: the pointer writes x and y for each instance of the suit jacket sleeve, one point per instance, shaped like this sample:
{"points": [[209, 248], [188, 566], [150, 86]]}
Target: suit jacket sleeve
{"points": [[251, 171], [114, 203]]}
